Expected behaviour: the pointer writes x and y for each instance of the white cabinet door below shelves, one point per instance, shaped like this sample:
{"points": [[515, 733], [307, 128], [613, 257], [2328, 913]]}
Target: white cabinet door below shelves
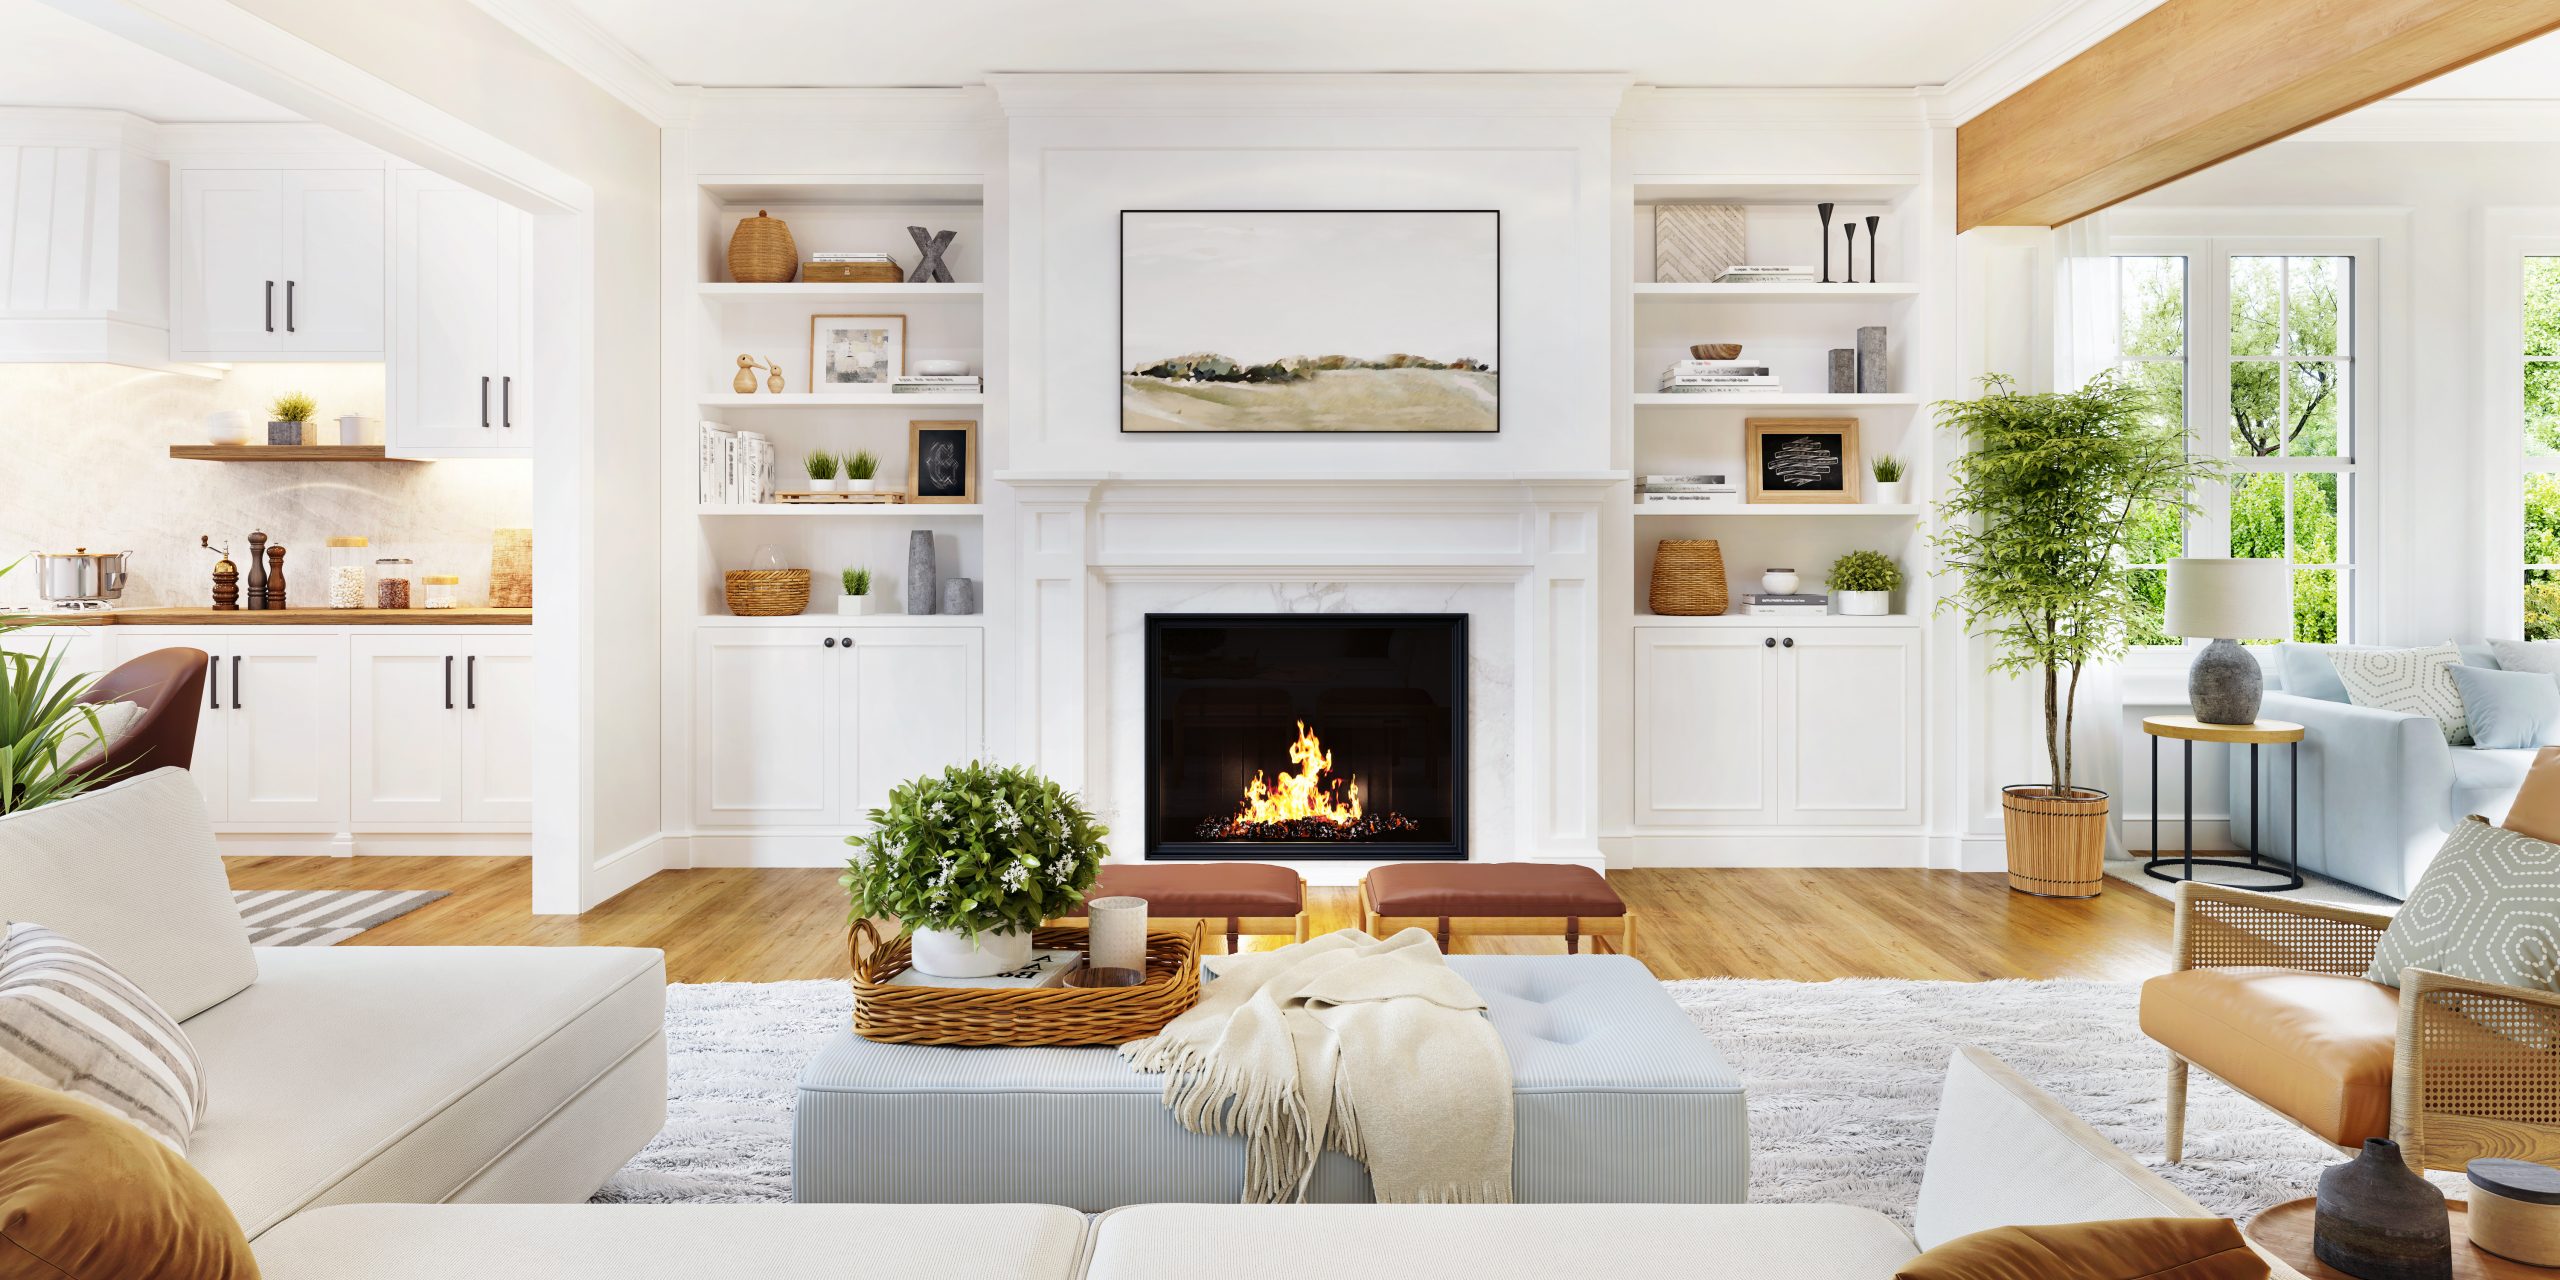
{"points": [[497, 730], [1703, 709], [1849, 739], [408, 729], [911, 706], [765, 727], [285, 698]]}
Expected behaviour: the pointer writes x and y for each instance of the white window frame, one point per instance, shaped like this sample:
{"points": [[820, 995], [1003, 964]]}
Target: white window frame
{"points": [[2512, 235]]}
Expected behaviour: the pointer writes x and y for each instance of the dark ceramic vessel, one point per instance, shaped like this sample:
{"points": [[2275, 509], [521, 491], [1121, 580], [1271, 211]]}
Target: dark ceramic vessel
{"points": [[2379, 1220]]}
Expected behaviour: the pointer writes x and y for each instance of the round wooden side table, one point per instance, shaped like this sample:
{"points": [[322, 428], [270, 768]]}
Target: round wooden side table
{"points": [[2285, 1231], [2189, 731]]}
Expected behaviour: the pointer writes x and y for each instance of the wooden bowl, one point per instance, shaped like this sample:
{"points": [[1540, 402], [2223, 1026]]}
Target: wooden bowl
{"points": [[1716, 351]]}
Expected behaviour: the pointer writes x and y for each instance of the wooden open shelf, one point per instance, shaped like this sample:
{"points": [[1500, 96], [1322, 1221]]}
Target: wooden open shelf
{"points": [[281, 453]]}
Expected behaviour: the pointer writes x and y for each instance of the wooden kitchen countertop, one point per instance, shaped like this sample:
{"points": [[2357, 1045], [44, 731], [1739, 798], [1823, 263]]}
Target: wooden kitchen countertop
{"points": [[296, 617]]}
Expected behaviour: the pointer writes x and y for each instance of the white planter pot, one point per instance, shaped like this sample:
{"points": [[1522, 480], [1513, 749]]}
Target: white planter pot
{"points": [[863, 486], [1865, 604], [853, 606], [827, 485], [1892, 493], [951, 955]]}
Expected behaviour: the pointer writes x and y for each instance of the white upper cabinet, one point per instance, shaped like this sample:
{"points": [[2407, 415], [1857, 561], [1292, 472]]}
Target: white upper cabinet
{"points": [[457, 368], [279, 264]]}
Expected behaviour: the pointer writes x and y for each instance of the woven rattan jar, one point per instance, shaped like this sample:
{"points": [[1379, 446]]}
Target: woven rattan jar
{"points": [[761, 251], [1688, 578]]}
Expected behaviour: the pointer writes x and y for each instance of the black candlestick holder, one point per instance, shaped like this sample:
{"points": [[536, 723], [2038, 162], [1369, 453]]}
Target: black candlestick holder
{"points": [[1825, 210], [1873, 243]]}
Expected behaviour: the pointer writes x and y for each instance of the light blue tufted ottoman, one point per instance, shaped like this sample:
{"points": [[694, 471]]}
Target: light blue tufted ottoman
{"points": [[1620, 1099]]}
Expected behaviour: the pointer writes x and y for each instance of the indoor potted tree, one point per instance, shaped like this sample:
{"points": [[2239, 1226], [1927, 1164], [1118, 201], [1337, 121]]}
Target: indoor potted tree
{"points": [[861, 470], [856, 599], [821, 468], [970, 861], [2032, 535], [1864, 583]]}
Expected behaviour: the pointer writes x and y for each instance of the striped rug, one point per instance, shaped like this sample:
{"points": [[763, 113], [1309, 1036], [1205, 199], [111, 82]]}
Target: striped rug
{"points": [[322, 917]]}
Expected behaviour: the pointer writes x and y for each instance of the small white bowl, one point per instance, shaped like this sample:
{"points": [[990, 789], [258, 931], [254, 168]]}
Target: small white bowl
{"points": [[942, 368]]}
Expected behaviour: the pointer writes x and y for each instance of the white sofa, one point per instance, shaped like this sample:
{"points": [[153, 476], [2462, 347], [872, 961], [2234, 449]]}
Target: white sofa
{"points": [[2003, 1153], [342, 1075]]}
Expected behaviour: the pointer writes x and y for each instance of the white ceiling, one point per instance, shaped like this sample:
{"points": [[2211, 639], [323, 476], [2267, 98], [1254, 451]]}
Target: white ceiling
{"points": [[830, 43], [51, 59], [2530, 70]]}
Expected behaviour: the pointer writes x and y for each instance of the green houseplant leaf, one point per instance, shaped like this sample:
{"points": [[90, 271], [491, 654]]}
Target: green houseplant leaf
{"points": [[39, 706], [975, 848]]}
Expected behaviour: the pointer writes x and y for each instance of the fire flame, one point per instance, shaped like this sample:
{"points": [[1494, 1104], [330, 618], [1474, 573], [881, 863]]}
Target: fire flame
{"points": [[1307, 793]]}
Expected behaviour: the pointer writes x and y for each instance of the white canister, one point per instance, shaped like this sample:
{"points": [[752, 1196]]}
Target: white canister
{"points": [[231, 426], [1119, 933], [1779, 582], [356, 428]]}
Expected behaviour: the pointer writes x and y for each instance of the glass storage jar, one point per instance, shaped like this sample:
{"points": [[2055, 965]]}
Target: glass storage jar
{"points": [[442, 591], [395, 580], [348, 559]]}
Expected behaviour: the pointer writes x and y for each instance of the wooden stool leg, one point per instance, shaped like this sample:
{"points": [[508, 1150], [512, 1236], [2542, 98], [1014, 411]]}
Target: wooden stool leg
{"points": [[1573, 935], [1235, 926], [2177, 1108], [1302, 925], [1444, 935]]}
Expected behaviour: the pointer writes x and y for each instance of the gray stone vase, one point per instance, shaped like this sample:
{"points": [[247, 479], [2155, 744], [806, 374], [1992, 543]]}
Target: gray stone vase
{"points": [[2225, 686], [960, 596], [923, 587]]}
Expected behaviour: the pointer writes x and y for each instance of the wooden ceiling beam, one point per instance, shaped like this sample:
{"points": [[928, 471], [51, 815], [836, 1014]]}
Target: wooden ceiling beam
{"points": [[2195, 82]]}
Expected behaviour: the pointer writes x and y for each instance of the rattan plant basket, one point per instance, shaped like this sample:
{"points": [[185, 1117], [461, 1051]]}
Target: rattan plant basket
{"points": [[2057, 844], [1042, 1016], [766, 593], [852, 273], [761, 251], [1688, 578]]}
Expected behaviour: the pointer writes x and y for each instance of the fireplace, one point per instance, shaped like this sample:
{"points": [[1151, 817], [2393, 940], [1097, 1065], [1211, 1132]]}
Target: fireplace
{"points": [[1298, 736]]}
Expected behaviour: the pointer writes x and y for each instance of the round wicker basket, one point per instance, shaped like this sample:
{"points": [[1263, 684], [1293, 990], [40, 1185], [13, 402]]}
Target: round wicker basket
{"points": [[1688, 578], [766, 593], [761, 251]]}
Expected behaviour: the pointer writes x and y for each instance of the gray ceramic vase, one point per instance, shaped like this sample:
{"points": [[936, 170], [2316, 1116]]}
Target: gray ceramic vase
{"points": [[923, 588], [960, 596], [2378, 1219]]}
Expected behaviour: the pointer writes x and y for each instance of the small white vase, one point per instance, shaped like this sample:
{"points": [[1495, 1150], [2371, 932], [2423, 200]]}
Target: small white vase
{"points": [[1779, 582], [1865, 604], [942, 954], [1892, 493], [827, 485], [862, 486], [853, 606], [230, 426]]}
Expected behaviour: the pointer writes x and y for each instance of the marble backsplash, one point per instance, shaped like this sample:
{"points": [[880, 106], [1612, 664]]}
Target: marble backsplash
{"points": [[84, 462]]}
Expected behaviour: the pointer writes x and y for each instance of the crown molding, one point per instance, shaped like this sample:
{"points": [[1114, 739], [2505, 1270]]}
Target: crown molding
{"points": [[96, 127], [580, 45], [971, 107], [2032, 54], [1656, 106], [1213, 94], [2442, 120]]}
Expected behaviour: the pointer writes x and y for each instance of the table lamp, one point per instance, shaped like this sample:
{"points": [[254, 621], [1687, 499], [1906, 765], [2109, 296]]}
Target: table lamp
{"points": [[2228, 601]]}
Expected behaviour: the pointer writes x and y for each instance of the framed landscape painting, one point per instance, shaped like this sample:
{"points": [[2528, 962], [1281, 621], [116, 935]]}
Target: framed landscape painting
{"points": [[1310, 320]]}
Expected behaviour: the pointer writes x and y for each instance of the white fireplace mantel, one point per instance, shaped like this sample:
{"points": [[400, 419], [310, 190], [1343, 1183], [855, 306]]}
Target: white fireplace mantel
{"points": [[1518, 553]]}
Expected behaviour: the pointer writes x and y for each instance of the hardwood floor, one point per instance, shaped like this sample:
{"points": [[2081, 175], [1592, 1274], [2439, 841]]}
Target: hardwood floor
{"points": [[740, 925]]}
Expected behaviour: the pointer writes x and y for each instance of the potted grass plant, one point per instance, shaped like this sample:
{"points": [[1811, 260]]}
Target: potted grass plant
{"points": [[2032, 537], [821, 466], [856, 599], [861, 472], [1891, 489], [289, 419], [1864, 583], [972, 859]]}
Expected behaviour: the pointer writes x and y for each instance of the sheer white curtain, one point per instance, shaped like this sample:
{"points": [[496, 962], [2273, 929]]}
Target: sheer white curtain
{"points": [[2085, 332]]}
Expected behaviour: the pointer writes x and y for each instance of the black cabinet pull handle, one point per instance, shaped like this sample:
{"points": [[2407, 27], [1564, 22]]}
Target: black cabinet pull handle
{"points": [[484, 404], [213, 683], [288, 304], [271, 306], [830, 642], [448, 682], [235, 682], [1768, 642], [471, 683], [507, 402], [1790, 642]]}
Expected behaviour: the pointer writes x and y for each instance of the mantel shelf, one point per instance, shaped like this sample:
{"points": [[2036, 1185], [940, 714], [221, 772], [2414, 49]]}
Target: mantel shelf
{"points": [[841, 400], [281, 453], [1658, 293], [1780, 400]]}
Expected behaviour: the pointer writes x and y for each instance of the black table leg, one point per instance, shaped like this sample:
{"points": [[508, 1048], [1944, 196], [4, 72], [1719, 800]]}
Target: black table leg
{"points": [[2253, 804], [2187, 802], [2183, 866]]}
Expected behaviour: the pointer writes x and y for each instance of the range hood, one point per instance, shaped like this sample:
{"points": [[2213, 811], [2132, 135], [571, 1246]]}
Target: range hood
{"points": [[84, 241]]}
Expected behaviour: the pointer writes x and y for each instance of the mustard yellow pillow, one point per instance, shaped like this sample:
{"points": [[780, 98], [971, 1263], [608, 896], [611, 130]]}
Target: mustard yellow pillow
{"points": [[87, 1195], [2127, 1249], [2536, 811]]}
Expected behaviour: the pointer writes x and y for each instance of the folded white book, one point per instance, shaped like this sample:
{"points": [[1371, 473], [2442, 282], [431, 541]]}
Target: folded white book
{"points": [[849, 257], [1046, 969], [1786, 610]]}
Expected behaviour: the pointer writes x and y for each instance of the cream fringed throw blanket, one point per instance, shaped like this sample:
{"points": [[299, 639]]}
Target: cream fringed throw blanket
{"points": [[1374, 1049]]}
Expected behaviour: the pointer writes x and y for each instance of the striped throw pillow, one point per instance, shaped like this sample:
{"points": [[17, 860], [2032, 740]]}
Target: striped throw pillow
{"points": [[69, 1022]]}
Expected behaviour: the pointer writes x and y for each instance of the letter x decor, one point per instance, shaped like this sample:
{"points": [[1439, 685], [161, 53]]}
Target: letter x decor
{"points": [[932, 245]]}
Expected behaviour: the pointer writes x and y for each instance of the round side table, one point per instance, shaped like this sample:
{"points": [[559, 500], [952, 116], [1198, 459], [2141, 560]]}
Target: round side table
{"points": [[2189, 731], [2285, 1231]]}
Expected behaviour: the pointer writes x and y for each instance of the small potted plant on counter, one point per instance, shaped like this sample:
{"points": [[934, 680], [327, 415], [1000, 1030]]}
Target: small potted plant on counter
{"points": [[290, 419], [1891, 489], [970, 860], [1864, 582], [856, 599], [860, 470], [821, 466]]}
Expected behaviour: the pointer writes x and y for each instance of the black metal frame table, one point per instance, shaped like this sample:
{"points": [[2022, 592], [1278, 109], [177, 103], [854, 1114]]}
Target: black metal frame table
{"points": [[2189, 731]]}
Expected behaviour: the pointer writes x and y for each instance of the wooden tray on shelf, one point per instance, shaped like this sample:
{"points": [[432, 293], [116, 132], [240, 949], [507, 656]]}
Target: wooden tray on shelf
{"points": [[1041, 1016], [874, 499]]}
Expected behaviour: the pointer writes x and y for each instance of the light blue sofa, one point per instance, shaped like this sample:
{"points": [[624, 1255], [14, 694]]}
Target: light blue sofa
{"points": [[2380, 789]]}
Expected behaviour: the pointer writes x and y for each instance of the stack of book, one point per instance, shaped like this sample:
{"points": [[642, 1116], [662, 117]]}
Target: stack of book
{"points": [[736, 467], [1770, 275], [852, 257], [1794, 604], [1692, 377], [1712, 489], [940, 384]]}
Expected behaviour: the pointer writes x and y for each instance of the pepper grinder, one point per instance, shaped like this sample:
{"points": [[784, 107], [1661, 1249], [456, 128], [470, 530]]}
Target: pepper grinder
{"points": [[275, 576], [257, 572], [226, 575]]}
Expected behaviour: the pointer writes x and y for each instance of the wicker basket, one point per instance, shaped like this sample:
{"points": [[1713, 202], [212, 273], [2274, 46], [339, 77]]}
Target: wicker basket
{"points": [[1039, 1016], [766, 593], [851, 273], [1688, 578], [761, 251], [2057, 844]]}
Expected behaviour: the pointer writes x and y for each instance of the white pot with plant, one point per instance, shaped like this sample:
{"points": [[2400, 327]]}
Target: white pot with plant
{"points": [[970, 861], [1864, 582], [1891, 489], [856, 599], [821, 468], [861, 472]]}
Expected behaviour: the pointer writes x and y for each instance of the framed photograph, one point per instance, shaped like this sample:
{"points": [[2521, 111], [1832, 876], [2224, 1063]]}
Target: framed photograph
{"points": [[942, 462], [1800, 459], [856, 353], [1310, 320]]}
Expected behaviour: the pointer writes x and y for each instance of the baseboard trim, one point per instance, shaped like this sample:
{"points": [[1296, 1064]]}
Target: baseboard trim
{"points": [[1787, 849], [628, 866]]}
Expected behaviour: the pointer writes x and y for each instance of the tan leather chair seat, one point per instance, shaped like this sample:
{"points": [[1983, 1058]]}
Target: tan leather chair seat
{"points": [[2315, 1047]]}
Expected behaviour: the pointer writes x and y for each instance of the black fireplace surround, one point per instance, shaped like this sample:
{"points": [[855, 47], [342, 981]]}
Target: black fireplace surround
{"points": [[1240, 699]]}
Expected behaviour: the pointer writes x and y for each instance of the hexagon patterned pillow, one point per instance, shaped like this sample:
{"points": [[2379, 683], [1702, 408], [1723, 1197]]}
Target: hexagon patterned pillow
{"points": [[2487, 909], [2415, 681]]}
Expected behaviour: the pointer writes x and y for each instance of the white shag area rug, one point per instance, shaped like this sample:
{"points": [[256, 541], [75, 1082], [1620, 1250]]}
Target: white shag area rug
{"points": [[1843, 1079]]}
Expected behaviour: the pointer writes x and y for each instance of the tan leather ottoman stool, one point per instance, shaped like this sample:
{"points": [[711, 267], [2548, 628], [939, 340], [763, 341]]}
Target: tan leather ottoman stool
{"points": [[1485, 898], [1251, 897]]}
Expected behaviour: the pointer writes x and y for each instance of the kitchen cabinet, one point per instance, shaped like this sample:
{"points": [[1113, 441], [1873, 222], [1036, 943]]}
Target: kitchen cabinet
{"points": [[278, 264], [457, 369], [271, 740], [441, 725], [800, 726], [1810, 726]]}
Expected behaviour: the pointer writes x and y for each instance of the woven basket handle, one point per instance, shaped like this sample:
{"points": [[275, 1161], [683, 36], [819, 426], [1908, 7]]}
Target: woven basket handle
{"points": [[859, 941]]}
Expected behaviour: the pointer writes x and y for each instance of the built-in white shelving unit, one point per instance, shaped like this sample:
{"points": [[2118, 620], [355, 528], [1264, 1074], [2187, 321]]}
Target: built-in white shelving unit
{"points": [[841, 400], [908, 511], [1783, 510], [1785, 400], [1647, 293], [1745, 622]]}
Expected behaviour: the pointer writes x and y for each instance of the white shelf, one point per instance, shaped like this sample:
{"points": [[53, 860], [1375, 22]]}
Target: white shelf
{"points": [[1778, 624], [832, 510], [841, 400], [828, 292], [831, 621], [1777, 400], [1661, 293], [893, 190], [1807, 189], [1798, 510]]}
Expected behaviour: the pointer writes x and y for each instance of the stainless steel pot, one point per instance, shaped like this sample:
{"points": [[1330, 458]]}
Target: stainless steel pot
{"points": [[80, 576]]}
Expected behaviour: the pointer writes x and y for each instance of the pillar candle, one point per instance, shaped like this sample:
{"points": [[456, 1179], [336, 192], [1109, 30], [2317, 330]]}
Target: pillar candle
{"points": [[1119, 937]]}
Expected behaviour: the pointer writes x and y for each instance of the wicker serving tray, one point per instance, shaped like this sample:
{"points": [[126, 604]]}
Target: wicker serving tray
{"points": [[1041, 1016]]}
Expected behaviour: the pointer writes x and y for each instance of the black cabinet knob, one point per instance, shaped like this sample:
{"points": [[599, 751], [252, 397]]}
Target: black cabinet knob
{"points": [[1790, 642], [1768, 642], [848, 642], [831, 642]]}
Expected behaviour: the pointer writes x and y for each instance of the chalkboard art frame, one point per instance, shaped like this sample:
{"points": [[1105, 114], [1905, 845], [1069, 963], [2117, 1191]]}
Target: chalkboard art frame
{"points": [[1804, 460]]}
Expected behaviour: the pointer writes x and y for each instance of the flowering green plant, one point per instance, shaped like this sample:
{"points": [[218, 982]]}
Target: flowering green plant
{"points": [[976, 848]]}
